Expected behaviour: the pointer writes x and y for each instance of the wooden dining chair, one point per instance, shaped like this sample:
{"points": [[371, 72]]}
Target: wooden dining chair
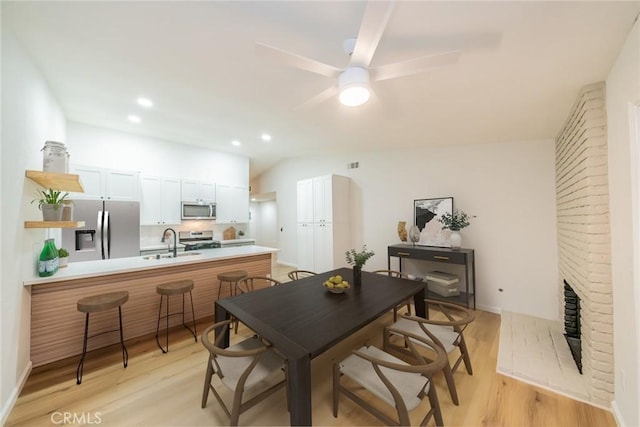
{"points": [[243, 368], [392, 381], [299, 274], [445, 329], [407, 303]]}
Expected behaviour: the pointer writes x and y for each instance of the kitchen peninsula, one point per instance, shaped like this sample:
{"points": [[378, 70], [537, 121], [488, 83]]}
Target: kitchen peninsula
{"points": [[57, 327]]}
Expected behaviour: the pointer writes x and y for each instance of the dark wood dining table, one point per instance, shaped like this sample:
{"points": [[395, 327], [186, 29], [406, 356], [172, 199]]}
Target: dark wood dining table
{"points": [[302, 319]]}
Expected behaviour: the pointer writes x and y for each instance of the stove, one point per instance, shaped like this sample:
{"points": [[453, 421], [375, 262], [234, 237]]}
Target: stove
{"points": [[194, 240]]}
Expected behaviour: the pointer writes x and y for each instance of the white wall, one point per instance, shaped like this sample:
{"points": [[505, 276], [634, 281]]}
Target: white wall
{"points": [[95, 146], [510, 187], [264, 223], [623, 90], [30, 116]]}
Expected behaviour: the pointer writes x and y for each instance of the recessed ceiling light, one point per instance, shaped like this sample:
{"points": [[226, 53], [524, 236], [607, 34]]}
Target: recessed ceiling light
{"points": [[145, 102], [235, 143], [134, 119], [266, 137], [253, 199]]}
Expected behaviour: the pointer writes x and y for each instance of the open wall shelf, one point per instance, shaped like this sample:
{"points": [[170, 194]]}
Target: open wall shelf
{"points": [[56, 181], [53, 224]]}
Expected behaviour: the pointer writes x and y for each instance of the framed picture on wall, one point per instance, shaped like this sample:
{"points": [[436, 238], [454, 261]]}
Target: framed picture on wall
{"points": [[426, 213]]}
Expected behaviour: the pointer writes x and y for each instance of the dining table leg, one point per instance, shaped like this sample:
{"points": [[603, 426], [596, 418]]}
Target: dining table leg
{"points": [[220, 315], [420, 306], [299, 385]]}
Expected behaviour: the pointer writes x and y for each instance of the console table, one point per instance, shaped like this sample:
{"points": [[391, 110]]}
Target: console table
{"points": [[445, 255]]}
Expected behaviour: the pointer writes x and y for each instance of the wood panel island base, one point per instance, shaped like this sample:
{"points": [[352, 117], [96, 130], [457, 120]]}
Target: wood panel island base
{"points": [[57, 326]]}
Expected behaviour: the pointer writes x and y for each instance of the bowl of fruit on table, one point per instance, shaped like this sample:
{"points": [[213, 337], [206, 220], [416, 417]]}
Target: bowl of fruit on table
{"points": [[336, 284]]}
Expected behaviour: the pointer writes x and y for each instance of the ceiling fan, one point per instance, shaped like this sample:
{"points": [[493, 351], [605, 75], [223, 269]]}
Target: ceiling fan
{"points": [[354, 81]]}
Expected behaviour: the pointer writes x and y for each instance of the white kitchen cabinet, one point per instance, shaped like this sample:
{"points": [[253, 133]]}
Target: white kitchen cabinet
{"points": [[198, 191], [324, 203], [305, 200], [107, 184], [305, 250], [232, 204], [160, 202]]}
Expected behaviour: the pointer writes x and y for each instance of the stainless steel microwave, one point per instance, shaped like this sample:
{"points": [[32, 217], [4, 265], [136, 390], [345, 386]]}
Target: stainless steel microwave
{"points": [[195, 210]]}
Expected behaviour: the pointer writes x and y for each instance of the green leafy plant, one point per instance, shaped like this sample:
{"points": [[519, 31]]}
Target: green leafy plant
{"points": [[358, 259], [50, 197], [456, 221], [62, 252]]}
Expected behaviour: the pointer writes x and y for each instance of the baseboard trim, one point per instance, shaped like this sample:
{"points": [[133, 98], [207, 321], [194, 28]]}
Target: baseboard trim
{"points": [[287, 264], [496, 310], [616, 414], [13, 397]]}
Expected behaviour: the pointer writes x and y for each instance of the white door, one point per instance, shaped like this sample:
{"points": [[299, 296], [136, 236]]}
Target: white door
{"points": [[224, 204], [305, 200], [323, 247], [207, 191], [241, 204], [189, 190], [92, 180]]}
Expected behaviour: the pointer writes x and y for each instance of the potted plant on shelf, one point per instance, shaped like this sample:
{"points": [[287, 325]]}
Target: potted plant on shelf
{"points": [[357, 260], [63, 257], [50, 203], [455, 222]]}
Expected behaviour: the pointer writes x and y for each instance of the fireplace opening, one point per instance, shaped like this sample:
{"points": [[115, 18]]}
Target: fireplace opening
{"points": [[572, 323]]}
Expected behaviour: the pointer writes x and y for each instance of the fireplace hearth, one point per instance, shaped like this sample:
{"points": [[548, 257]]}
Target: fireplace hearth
{"points": [[572, 323]]}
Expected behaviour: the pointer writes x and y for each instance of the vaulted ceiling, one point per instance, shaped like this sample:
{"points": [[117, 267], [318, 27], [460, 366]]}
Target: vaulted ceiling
{"points": [[519, 71]]}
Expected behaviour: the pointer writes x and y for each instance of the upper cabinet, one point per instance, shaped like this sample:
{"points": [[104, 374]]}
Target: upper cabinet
{"points": [[160, 201], [198, 191], [107, 184], [323, 199], [232, 204]]}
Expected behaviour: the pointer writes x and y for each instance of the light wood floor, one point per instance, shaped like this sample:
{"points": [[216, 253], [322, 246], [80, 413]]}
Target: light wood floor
{"points": [[165, 389]]}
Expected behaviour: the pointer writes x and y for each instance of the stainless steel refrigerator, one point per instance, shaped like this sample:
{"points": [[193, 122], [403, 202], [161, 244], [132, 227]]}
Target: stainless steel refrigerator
{"points": [[112, 230]]}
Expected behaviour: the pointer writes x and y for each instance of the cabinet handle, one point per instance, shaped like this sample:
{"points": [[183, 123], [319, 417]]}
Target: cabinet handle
{"points": [[404, 254], [441, 257]]}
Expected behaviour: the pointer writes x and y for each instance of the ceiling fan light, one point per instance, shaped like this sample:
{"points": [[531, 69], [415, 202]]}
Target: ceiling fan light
{"points": [[354, 96], [353, 85]]}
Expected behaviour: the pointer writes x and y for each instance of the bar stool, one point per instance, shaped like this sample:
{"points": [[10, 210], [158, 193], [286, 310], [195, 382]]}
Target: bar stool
{"points": [[95, 304], [175, 288], [232, 278]]}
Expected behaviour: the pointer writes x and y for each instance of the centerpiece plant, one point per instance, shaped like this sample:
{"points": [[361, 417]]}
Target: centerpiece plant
{"points": [[357, 259]]}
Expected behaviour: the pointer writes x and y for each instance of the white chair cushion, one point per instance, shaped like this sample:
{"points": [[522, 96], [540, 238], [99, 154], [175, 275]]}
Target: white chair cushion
{"points": [[361, 371], [445, 334], [266, 373]]}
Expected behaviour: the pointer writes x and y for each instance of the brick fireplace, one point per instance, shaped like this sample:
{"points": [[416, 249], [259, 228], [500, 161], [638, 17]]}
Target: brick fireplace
{"points": [[584, 253]]}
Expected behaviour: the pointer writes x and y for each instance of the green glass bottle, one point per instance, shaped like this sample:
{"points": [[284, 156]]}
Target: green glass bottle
{"points": [[48, 261]]}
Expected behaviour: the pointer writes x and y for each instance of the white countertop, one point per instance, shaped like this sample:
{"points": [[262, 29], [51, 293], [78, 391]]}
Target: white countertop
{"points": [[79, 270]]}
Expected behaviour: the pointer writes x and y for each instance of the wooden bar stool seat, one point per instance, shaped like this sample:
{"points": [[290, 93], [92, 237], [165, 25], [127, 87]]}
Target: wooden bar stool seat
{"points": [[232, 278], [169, 289], [95, 304]]}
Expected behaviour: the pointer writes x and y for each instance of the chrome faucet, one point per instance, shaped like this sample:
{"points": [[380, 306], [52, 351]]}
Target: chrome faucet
{"points": [[175, 240]]}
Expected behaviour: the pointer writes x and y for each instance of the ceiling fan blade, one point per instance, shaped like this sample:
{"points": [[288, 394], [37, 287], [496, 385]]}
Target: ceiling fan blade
{"points": [[319, 98], [413, 66], [297, 61], [375, 19]]}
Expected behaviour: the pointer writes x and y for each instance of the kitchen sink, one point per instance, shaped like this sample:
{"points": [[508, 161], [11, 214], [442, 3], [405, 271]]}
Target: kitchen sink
{"points": [[164, 256]]}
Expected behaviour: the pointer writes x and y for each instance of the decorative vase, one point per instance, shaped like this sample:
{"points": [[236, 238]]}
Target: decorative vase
{"points": [[456, 240], [51, 212], [63, 261], [414, 234], [67, 211], [402, 231], [357, 275]]}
